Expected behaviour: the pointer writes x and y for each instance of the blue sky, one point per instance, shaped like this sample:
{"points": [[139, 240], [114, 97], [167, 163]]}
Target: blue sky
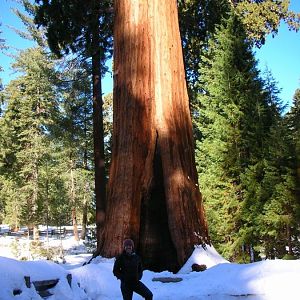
{"points": [[281, 54]]}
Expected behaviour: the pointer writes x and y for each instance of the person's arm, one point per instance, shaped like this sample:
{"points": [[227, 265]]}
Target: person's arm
{"points": [[117, 268], [140, 269]]}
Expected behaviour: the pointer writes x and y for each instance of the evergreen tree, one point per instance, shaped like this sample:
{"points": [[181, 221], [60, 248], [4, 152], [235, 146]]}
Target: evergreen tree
{"points": [[263, 17], [270, 209], [53, 188], [76, 125], [293, 121], [233, 123], [197, 22], [199, 18], [74, 120], [30, 108], [84, 29], [64, 182]]}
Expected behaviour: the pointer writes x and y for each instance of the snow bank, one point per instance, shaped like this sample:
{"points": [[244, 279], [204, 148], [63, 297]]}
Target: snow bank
{"points": [[207, 256], [12, 279], [265, 280]]}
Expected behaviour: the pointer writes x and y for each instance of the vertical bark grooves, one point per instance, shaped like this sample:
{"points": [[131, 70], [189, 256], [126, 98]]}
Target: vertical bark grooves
{"points": [[133, 121], [184, 203], [156, 246], [153, 194]]}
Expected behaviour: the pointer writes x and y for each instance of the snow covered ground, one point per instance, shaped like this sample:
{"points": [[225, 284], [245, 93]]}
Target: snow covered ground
{"points": [[265, 280]]}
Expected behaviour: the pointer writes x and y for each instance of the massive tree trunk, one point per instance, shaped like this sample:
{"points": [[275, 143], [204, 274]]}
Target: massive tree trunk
{"points": [[153, 194]]}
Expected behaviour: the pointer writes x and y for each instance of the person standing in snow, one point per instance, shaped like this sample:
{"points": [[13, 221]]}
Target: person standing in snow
{"points": [[128, 268]]}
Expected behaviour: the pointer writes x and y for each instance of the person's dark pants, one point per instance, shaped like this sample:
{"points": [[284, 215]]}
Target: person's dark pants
{"points": [[127, 290]]}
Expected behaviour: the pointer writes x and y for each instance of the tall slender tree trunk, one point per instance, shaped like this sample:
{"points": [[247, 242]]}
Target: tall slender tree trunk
{"points": [[86, 187], [84, 219], [153, 194], [36, 234], [289, 239], [73, 202], [100, 181]]}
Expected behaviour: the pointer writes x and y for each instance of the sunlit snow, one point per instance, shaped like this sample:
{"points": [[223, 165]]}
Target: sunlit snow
{"points": [[265, 280]]}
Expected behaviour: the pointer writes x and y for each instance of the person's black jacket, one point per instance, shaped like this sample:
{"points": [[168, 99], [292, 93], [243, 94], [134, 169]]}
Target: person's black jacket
{"points": [[128, 267]]}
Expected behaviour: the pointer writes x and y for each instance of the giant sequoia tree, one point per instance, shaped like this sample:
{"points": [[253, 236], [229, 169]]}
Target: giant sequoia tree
{"points": [[153, 194]]}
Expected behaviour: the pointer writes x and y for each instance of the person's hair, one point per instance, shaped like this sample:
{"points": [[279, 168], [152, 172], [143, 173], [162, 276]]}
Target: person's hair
{"points": [[128, 242]]}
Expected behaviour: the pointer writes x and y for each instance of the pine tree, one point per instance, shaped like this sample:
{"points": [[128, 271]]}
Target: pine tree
{"points": [[86, 30], [232, 121], [76, 125], [199, 18], [53, 187], [293, 119], [197, 22], [262, 17], [31, 104]]}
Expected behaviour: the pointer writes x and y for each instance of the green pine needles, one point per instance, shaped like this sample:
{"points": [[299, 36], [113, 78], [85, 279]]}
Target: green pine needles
{"points": [[249, 194]]}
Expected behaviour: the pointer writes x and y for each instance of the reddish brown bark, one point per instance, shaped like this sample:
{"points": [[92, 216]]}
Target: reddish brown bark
{"points": [[98, 135], [153, 194]]}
